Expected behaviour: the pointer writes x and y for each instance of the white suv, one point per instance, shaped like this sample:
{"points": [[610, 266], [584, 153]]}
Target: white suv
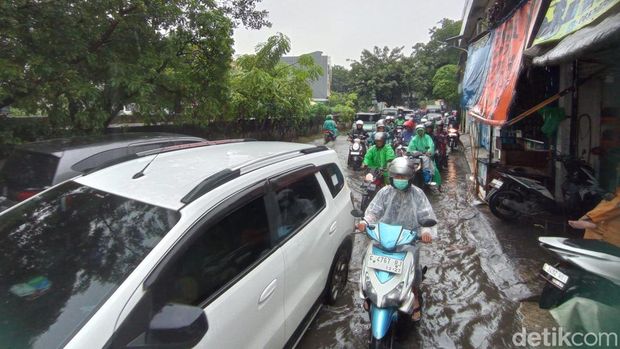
{"points": [[232, 244]]}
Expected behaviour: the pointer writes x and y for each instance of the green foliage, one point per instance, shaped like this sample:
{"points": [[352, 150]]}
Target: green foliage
{"points": [[343, 105], [81, 61], [388, 75], [341, 80], [263, 86], [445, 84]]}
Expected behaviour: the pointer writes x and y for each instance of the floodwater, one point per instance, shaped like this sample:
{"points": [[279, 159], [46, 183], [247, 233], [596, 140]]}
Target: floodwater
{"points": [[472, 287]]}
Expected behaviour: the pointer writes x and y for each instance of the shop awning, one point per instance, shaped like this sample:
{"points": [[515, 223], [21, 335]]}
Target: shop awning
{"points": [[604, 35], [508, 42]]}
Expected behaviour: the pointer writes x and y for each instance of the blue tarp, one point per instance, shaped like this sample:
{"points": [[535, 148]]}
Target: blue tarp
{"points": [[478, 58]]}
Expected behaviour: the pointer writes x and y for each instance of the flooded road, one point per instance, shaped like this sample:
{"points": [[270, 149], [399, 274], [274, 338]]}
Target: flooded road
{"points": [[471, 289]]}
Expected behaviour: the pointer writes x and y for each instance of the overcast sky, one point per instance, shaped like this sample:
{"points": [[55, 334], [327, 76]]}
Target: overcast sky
{"points": [[343, 28]]}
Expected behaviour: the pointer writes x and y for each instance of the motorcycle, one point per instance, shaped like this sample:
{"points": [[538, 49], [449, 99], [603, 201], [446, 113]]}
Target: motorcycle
{"points": [[387, 278], [453, 138], [588, 268], [511, 197], [398, 137], [329, 136], [423, 177], [373, 181], [442, 150], [357, 150]]}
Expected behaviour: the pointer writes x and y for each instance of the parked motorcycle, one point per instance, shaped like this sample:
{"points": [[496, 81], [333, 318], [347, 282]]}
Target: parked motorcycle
{"points": [[511, 197], [373, 181], [329, 136], [387, 278], [588, 268], [357, 150]]}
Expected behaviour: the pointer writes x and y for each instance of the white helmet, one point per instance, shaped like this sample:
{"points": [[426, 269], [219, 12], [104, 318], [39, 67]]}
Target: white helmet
{"points": [[400, 166], [359, 122], [423, 120], [380, 123]]}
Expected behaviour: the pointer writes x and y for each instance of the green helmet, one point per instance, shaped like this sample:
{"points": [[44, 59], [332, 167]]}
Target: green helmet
{"points": [[329, 117]]}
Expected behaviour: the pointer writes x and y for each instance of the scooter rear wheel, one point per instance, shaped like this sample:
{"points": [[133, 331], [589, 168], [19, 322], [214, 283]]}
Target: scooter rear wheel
{"points": [[500, 210]]}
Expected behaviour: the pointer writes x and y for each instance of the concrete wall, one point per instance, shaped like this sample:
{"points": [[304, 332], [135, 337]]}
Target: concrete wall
{"points": [[321, 88]]}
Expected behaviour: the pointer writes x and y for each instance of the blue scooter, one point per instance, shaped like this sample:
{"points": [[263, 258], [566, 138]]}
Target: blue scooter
{"points": [[387, 279]]}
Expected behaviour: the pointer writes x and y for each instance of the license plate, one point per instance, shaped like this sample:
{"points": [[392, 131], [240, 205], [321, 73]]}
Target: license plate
{"points": [[556, 274], [391, 265], [354, 153], [497, 183]]}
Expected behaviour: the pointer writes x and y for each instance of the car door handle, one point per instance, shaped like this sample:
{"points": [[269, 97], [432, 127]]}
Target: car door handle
{"points": [[332, 228], [268, 291]]}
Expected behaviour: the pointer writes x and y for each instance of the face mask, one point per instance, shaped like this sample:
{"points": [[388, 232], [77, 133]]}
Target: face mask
{"points": [[401, 184]]}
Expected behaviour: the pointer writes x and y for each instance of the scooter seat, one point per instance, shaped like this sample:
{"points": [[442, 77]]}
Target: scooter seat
{"points": [[594, 245]]}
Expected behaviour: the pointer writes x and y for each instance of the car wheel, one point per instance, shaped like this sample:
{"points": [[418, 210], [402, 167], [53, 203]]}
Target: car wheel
{"points": [[338, 276]]}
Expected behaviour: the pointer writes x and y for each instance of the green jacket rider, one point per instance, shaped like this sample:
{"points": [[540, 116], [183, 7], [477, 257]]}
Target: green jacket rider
{"points": [[379, 155], [424, 143], [330, 125]]}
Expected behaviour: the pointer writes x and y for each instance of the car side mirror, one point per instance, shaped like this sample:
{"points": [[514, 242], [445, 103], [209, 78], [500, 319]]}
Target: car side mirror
{"points": [[357, 213], [175, 326], [427, 223]]}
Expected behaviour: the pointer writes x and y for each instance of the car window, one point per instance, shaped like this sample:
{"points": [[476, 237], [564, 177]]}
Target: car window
{"points": [[24, 170], [334, 178], [63, 253], [222, 252], [298, 201]]}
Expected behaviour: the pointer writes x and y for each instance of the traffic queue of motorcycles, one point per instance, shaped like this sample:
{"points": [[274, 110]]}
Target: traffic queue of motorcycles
{"points": [[400, 135], [587, 268]]}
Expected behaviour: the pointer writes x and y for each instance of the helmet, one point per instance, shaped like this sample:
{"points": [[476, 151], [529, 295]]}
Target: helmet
{"points": [[419, 127], [380, 123], [424, 120], [400, 166], [380, 136], [428, 124], [329, 117], [408, 124], [359, 122]]}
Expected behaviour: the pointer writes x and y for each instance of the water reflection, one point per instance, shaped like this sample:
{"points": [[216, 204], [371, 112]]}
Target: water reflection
{"points": [[62, 254]]}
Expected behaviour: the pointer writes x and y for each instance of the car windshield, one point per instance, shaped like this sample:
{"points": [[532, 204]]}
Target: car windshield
{"points": [[61, 256], [26, 170]]}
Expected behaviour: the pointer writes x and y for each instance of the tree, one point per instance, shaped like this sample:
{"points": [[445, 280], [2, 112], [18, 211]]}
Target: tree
{"points": [[81, 61], [445, 84], [378, 75], [344, 105], [263, 86], [341, 79], [428, 57]]}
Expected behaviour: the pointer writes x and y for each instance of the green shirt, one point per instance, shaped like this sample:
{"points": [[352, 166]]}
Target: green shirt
{"points": [[400, 122], [379, 158], [421, 144]]}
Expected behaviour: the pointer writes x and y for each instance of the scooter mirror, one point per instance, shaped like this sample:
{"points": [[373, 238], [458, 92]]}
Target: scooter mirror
{"points": [[357, 213], [427, 223]]}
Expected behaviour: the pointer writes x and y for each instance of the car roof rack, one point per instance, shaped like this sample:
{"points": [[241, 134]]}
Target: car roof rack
{"points": [[165, 150], [229, 174]]}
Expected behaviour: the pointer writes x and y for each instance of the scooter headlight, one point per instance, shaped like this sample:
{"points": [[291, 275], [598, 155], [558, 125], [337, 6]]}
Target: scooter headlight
{"points": [[393, 298]]}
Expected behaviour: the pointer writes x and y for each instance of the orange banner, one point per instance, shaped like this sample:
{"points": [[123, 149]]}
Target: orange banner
{"points": [[509, 41]]}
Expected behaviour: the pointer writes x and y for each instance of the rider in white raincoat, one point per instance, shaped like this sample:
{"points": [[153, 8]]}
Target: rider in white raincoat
{"points": [[404, 204]]}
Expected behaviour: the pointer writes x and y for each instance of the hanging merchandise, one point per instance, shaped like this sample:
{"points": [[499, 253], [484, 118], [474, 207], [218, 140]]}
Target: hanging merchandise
{"points": [[509, 41], [552, 117]]}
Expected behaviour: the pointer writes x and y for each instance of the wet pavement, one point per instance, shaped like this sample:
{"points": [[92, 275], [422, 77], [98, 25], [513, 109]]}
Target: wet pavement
{"points": [[479, 270]]}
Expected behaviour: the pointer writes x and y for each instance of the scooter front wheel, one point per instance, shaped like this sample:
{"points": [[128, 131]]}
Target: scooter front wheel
{"points": [[387, 342]]}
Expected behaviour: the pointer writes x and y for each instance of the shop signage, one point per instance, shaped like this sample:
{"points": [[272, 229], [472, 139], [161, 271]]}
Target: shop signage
{"points": [[476, 70], [567, 16], [509, 40]]}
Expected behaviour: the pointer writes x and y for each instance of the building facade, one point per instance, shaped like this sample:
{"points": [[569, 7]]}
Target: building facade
{"points": [[321, 88]]}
